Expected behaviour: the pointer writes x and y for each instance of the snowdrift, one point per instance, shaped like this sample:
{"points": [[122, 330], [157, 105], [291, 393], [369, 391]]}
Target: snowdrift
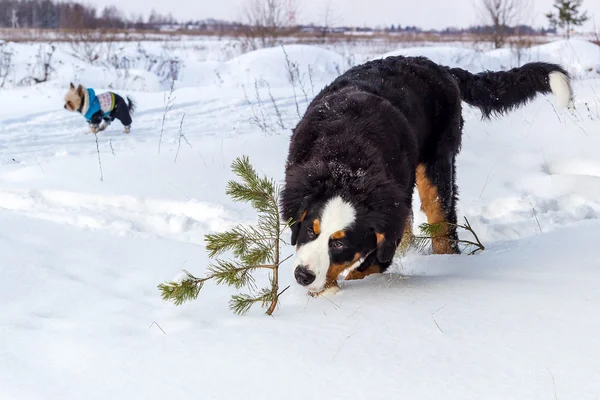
{"points": [[580, 57], [151, 67]]}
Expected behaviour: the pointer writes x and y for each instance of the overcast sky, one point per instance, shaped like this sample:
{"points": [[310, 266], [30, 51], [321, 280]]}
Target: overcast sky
{"points": [[422, 13]]}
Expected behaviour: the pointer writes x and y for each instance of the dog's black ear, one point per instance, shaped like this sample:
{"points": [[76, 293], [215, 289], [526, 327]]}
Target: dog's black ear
{"points": [[80, 90], [386, 248], [295, 227], [71, 86]]}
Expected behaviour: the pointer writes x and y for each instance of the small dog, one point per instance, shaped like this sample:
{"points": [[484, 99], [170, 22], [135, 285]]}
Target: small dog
{"points": [[99, 110]]}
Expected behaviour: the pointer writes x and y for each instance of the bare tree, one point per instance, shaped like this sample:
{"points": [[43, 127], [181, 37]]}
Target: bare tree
{"points": [[500, 15], [267, 21], [329, 20]]}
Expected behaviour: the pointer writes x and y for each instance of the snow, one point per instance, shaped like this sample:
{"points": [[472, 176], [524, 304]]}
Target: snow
{"points": [[81, 317], [581, 58]]}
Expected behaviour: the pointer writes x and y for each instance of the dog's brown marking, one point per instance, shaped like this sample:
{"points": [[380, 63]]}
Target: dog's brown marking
{"points": [[317, 227], [432, 207], [356, 274], [338, 235], [301, 219], [336, 269], [380, 238], [408, 235]]}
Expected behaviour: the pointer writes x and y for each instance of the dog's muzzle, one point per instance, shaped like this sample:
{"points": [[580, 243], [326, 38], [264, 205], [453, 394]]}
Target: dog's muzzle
{"points": [[304, 276]]}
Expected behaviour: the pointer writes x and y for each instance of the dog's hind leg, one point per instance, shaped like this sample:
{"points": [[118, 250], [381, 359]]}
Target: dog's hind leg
{"points": [[437, 190]]}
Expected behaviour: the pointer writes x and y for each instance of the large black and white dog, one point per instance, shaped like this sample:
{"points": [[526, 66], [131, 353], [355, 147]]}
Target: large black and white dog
{"points": [[368, 138]]}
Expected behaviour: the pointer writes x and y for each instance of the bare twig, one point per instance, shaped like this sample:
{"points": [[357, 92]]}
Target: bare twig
{"points": [[554, 385], [436, 324], [99, 161], [280, 293], [343, 343], [478, 245], [279, 119], [181, 136], [292, 78], [159, 327], [310, 77], [536, 219], [169, 101], [420, 242], [555, 112], [487, 180], [434, 320]]}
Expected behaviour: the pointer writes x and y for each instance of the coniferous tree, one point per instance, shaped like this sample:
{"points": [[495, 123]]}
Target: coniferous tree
{"points": [[567, 14], [253, 247]]}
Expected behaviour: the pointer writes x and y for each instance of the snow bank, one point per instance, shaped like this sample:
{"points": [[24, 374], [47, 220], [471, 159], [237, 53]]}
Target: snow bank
{"points": [[152, 66], [446, 55], [273, 66], [580, 57]]}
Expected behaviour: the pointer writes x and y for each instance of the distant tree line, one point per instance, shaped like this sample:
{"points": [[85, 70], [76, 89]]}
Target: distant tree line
{"points": [[48, 14], [500, 18]]}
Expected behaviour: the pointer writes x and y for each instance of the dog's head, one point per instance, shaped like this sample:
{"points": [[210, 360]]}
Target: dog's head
{"points": [[74, 98], [333, 236]]}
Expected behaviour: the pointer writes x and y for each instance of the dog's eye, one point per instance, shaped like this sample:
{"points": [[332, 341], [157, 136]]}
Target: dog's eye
{"points": [[337, 245], [310, 233]]}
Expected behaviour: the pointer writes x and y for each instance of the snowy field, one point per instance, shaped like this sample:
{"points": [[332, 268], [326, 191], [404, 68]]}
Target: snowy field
{"points": [[80, 257]]}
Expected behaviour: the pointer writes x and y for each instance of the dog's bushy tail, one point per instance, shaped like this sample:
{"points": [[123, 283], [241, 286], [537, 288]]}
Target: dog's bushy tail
{"points": [[496, 93], [130, 105]]}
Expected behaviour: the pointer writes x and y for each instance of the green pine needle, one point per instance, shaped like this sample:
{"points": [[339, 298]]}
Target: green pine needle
{"points": [[259, 192], [240, 304], [225, 272], [180, 292], [258, 255], [431, 229]]}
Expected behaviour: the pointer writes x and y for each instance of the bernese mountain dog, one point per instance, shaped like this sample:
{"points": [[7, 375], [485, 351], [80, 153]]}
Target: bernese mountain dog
{"points": [[367, 139]]}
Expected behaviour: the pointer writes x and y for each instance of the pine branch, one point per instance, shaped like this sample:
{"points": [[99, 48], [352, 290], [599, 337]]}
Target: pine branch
{"points": [[420, 243], [478, 245], [239, 240], [430, 231], [182, 291], [225, 272], [231, 275], [240, 304], [253, 247], [255, 190], [259, 255]]}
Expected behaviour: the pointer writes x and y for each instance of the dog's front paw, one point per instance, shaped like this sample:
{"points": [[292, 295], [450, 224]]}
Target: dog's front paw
{"points": [[127, 129], [94, 129], [329, 290]]}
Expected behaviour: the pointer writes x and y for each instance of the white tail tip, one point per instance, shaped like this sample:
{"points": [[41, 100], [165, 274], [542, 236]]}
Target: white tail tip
{"points": [[561, 87]]}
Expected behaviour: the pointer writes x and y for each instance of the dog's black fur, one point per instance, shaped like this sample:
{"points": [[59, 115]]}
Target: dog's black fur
{"points": [[122, 111], [364, 135]]}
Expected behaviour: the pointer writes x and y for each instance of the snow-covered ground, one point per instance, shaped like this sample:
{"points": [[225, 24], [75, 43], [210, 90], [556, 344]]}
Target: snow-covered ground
{"points": [[80, 257]]}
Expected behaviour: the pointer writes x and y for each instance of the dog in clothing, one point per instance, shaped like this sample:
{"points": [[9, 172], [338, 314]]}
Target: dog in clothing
{"points": [[99, 110]]}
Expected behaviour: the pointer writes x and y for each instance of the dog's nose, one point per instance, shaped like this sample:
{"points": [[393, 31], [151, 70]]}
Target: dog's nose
{"points": [[304, 276], [65, 106]]}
